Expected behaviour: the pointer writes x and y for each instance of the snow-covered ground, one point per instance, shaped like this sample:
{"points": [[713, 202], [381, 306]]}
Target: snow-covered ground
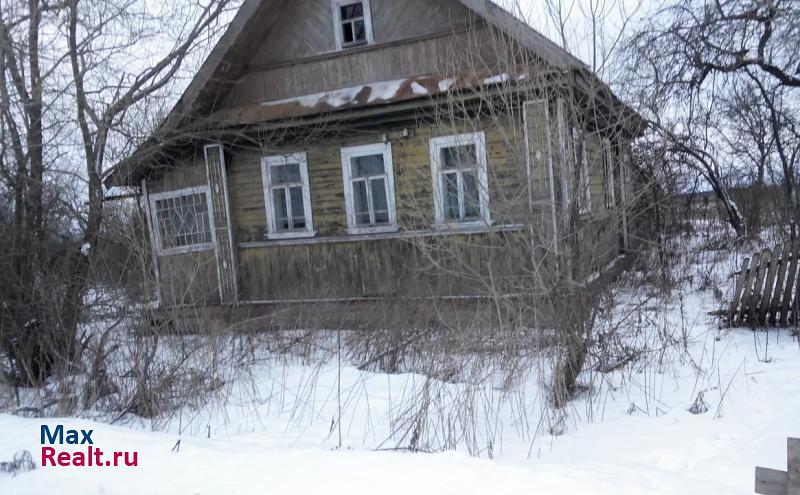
{"points": [[276, 432]]}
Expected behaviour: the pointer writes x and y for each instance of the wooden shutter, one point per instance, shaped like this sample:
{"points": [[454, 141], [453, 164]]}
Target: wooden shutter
{"points": [[624, 171], [223, 230], [151, 230], [542, 182]]}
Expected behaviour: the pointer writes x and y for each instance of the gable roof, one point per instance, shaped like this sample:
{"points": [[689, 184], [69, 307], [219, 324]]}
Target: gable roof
{"points": [[225, 61], [222, 62]]}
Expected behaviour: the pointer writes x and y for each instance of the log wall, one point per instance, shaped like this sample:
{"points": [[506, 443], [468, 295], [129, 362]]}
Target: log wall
{"points": [[416, 260]]}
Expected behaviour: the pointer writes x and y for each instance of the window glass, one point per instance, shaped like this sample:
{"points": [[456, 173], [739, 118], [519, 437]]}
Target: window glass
{"points": [[352, 11], [298, 209], [366, 166], [359, 31], [183, 221], [380, 205], [452, 209], [472, 200], [347, 33], [361, 202], [281, 209], [459, 157], [286, 174]]}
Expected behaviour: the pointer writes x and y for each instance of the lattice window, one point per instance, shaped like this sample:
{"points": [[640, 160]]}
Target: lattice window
{"points": [[183, 220]]}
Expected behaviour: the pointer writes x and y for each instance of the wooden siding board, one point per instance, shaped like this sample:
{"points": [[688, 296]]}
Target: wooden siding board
{"points": [[378, 268], [390, 266], [413, 190], [443, 55], [391, 20], [306, 28], [187, 172], [189, 279], [598, 231]]}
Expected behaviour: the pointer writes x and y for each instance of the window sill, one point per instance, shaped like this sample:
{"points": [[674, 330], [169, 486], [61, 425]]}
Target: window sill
{"points": [[186, 250], [349, 46], [387, 229], [458, 227], [478, 228], [284, 236]]}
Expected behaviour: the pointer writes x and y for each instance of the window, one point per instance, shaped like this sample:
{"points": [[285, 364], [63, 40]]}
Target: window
{"points": [[460, 184], [287, 197], [369, 188], [353, 23], [183, 220]]}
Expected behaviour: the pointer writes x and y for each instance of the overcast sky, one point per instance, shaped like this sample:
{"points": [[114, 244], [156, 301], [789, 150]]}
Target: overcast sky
{"points": [[612, 18]]}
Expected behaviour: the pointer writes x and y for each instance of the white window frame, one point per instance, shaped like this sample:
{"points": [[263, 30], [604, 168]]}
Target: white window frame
{"points": [[188, 191], [267, 163], [337, 5], [436, 145], [348, 154]]}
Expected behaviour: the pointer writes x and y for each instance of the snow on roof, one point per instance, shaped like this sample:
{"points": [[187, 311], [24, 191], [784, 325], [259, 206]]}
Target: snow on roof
{"points": [[445, 84], [418, 89], [377, 93], [382, 92], [498, 79]]}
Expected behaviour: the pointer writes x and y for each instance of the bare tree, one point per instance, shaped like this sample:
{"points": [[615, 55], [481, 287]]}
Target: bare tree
{"points": [[63, 63], [703, 72], [562, 185]]}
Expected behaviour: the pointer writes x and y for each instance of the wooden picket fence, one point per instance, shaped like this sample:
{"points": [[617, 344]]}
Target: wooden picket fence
{"points": [[767, 288]]}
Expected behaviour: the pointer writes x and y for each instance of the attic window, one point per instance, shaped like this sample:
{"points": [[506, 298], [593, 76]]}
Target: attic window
{"points": [[353, 23]]}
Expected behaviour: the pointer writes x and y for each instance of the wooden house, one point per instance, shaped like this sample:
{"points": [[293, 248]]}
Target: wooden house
{"points": [[343, 151]]}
